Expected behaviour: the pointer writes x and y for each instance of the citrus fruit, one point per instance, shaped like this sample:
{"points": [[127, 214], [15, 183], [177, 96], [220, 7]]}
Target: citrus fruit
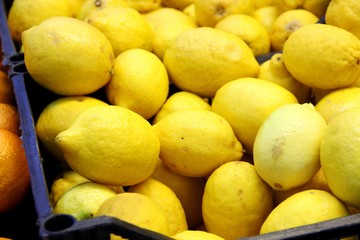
{"points": [[124, 27], [287, 23], [83, 200], [339, 156], [167, 23], [6, 89], [112, 140], [274, 70], [75, 6], [235, 196], [14, 172], [68, 56], [139, 82], [177, 4], [189, 191], [246, 111], [349, 12], [89, 6], [249, 29], [144, 6], [338, 101], [217, 57], [57, 116], [167, 200], [317, 7], [288, 142], [196, 235], [328, 56], [266, 16], [209, 12], [180, 101], [302, 208], [195, 142], [24, 14], [137, 209], [10, 118]]}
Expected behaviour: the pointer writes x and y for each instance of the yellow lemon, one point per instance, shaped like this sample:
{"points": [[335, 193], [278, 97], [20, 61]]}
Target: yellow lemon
{"points": [[274, 70], [338, 101], [288, 142], [209, 12], [167, 200], [124, 27], [340, 154], [189, 191], [323, 56], [317, 7], [195, 142], [177, 4], [144, 6], [287, 23], [68, 56], [196, 235], [190, 11], [139, 82], [246, 111], [302, 208], [167, 23], [318, 181], [24, 14], [266, 16], [180, 101], [203, 59], [64, 182], [75, 6], [137, 209], [57, 116], [90, 5], [83, 200], [112, 140], [235, 196], [249, 29], [349, 12]]}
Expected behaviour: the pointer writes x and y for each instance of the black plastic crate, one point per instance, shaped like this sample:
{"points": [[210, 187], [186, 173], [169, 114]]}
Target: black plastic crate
{"points": [[31, 99]]}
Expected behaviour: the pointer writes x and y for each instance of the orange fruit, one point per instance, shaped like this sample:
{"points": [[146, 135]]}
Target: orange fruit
{"points": [[9, 118], [6, 89], [14, 172]]}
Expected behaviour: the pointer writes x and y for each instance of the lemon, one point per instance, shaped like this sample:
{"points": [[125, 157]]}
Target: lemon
{"points": [[167, 200], [112, 140], [339, 156], [137, 209], [24, 14], [323, 56], [167, 23], [189, 191], [144, 6], [139, 82], [90, 5], [274, 70], [180, 101], [64, 182], [195, 142], [57, 116], [196, 235], [177, 4], [203, 59], [302, 208], [209, 12], [318, 181], [266, 16], [249, 29], [236, 201], [75, 6], [349, 12], [237, 102], [190, 11], [288, 142], [67, 56], [338, 101], [287, 23], [317, 7], [124, 27], [83, 200]]}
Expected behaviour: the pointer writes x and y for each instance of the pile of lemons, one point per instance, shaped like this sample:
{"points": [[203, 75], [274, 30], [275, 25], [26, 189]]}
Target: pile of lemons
{"points": [[194, 138]]}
